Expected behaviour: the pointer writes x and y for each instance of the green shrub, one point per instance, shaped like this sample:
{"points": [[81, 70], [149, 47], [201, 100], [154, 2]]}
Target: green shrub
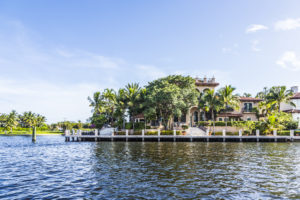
{"points": [[291, 125], [184, 127], [232, 133], [151, 133], [148, 127], [166, 132], [284, 133], [137, 133], [120, 133], [137, 125], [218, 133]]}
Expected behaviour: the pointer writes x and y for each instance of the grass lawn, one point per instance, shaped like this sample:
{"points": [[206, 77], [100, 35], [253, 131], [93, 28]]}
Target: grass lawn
{"points": [[29, 133]]}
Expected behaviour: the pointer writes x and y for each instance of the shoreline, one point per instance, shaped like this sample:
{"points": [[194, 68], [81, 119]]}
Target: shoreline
{"points": [[54, 134]]}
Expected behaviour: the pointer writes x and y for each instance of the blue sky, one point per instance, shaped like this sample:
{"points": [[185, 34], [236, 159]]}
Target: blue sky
{"points": [[53, 54]]}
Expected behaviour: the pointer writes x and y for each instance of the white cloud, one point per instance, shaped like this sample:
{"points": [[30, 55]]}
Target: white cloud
{"points": [[255, 27], [287, 24], [254, 45], [290, 61]]}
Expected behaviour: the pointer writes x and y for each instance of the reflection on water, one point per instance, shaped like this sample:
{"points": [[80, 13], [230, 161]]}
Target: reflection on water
{"points": [[52, 168]]}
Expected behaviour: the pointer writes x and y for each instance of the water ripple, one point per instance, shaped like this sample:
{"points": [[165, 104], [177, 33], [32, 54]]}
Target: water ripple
{"points": [[53, 169]]}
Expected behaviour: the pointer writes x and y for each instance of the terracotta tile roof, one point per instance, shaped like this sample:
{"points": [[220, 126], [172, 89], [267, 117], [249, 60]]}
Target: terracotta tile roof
{"points": [[292, 111], [250, 99], [230, 115], [296, 96], [141, 116]]}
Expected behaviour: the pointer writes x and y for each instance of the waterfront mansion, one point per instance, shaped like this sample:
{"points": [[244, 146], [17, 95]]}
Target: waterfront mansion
{"points": [[196, 114]]}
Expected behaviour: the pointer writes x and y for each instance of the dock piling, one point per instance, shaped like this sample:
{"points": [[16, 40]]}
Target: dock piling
{"points": [[292, 134], [275, 135], [174, 134], [224, 135], [158, 134], [257, 135], [34, 134], [240, 134]]}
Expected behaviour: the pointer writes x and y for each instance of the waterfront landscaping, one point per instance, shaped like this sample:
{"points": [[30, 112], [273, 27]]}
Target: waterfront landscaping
{"points": [[166, 103]]}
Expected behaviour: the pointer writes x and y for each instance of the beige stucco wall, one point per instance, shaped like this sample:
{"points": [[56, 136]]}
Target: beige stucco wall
{"points": [[221, 128]]}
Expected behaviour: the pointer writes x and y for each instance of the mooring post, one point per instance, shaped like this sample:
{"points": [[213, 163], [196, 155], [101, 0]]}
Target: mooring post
{"points": [[207, 132], [174, 135], [275, 135], [34, 134], [158, 134], [292, 134], [143, 135], [96, 134], [112, 135], [126, 134], [257, 135], [79, 135], [73, 135], [66, 139], [224, 135], [240, 134]]}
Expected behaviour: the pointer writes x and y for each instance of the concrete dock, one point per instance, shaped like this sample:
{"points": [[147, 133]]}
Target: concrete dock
{"points": [[171, 138]]}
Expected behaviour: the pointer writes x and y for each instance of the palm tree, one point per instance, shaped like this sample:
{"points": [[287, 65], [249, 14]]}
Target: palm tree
{"points": [[132, 96], [247, 94], [29, 119], [278, 95], [110, 100], [120, 104], [97, 102], [11, 120], [263, 94], [40, 120], [201, 103], [228, 99], [212, 104], [3, 118]]}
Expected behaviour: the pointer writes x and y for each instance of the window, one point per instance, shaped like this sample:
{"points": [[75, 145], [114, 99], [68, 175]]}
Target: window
{"points": [[183, 118], [249, 119], [247, 107], [175, 119], [220, 119]]}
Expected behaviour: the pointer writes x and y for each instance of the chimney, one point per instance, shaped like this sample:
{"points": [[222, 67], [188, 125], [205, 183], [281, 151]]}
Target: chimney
{"points": [[294, 89], [213, 79]]}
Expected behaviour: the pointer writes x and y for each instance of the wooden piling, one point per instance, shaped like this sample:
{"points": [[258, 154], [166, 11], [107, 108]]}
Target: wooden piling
{"points": [[34, 134]]}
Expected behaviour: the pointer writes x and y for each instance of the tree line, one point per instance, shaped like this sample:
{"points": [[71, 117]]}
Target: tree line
{"points": [[25, 120]]}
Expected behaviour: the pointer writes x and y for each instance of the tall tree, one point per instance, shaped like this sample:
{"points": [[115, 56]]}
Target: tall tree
{"points": [[40, 120], [133, 97], [247, 94], [97, 103], [120, 107], [171, 96], [29, 119], [11, 120], [110, 102], [278, 95], [212, 104], [263, 94], [229, 100]]}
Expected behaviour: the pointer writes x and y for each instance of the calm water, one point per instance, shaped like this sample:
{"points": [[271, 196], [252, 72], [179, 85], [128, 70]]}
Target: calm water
{"points": [[53, 169]]}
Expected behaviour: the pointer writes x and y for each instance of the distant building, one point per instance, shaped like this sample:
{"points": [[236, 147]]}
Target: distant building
{"points": [[247, 112], [295, 111]]}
